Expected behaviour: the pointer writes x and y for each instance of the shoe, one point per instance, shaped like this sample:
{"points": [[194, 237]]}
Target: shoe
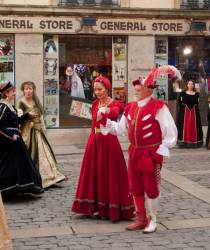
{"points": [[34, 190], [140, 223], [151, 226]]}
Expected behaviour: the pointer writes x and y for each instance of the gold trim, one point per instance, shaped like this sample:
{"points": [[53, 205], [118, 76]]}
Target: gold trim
{"points": [[105, 204], [135, 124]]}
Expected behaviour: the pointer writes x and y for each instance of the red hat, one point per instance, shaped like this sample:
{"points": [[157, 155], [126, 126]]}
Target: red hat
{"points": [[147, 82], [105, 81], [137, 82]]}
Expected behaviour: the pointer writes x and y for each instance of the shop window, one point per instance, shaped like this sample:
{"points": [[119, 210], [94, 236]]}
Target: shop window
{"points": [[191, 55], [6, 58], [195, 4], [71, 64]]}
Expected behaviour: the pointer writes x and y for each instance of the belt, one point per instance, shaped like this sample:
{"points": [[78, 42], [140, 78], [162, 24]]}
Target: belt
{"points": [[146, 146], [97, 130]]}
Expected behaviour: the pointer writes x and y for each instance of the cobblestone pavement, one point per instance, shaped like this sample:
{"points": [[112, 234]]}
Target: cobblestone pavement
{"points": [[184, 218]]}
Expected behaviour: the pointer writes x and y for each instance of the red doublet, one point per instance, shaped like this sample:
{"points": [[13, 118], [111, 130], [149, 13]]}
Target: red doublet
{"points": [[145, 137]]}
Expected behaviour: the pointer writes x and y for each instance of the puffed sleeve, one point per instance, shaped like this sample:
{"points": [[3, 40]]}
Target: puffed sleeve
{"points": [[113, 127], [23, 118], [4, 131], [115, 110]]}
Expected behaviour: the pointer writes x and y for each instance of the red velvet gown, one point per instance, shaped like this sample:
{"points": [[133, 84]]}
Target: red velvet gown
{"points": [[103, 183]]}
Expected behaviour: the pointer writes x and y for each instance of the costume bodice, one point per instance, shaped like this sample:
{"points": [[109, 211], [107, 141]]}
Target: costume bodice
{"points": [[8, 118], [189, 100], [27, 108], [143, 128], [116, 107]]}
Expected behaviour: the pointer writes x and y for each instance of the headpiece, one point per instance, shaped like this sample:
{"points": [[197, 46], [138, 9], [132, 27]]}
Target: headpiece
{"points": [[5, 86], [145, 82], [105, 81]]}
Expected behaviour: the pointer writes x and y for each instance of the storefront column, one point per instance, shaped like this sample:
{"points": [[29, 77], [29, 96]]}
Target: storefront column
{"points": [[29, 61], [140, 59]]}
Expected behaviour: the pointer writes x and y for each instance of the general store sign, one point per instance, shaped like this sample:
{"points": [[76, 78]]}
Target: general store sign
{"points": [[17, 24], [143, 26]]}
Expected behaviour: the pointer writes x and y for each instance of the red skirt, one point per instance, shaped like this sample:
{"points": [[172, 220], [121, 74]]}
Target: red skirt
{"points": [[103, 182]]}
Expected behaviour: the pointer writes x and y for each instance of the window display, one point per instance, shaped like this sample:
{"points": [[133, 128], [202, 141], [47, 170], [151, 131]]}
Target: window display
{"points": [[119, 62], [191, 56], [71, 63], [7, 58], [81, 59]]}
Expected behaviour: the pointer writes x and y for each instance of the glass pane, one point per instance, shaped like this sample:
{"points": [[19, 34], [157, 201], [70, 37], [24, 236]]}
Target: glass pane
{"points": [[7, 58], [81, 59]]}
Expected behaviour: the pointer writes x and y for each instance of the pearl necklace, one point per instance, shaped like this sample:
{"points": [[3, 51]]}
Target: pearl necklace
{"points": [[106, 103]]}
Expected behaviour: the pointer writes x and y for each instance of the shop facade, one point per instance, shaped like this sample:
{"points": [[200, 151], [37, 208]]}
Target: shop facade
{"points": [[63, 54]]}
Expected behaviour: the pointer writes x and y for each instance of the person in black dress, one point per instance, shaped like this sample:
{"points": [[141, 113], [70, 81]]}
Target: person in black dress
{"points": [[189, 126], [208, 130], [18, 173]]}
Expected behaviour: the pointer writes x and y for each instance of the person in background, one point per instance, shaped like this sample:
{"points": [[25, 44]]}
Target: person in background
{"points": [[5, 240], [34, 136], [72, 85], [189, 126], [208, 130], [82, 72], [18, 173], [103, 182], [151, 131]]}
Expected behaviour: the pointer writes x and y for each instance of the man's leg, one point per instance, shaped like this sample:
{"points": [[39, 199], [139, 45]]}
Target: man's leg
{"points": [[152, 192], [141, 218], [152, 216]]}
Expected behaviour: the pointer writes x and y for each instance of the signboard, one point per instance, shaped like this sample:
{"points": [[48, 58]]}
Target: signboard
{"points": [[68, 25]]}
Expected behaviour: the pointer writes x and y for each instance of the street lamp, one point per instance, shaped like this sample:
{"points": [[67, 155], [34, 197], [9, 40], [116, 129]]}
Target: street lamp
{"points": [[187, 50]]}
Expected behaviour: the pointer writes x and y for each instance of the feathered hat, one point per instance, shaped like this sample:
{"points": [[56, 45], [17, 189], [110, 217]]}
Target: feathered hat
{"points": [[150, 80]]}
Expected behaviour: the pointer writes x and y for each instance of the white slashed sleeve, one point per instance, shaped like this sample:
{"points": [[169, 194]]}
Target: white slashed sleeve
{"points": [[115, 128], [168, 129]]}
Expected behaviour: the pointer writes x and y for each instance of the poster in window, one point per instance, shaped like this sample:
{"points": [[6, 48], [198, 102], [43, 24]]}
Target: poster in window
{"points": [[51, 82], [119, 51], [161, 46], [6, 58], [51, 111], [80, 108]]}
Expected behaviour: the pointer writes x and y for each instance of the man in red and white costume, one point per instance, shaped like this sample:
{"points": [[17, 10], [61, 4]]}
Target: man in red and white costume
{"points": [[151, 131]]}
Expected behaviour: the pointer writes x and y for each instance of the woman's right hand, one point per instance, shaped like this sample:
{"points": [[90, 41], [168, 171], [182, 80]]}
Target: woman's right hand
{"points": [[32, 114], [15, 137]]}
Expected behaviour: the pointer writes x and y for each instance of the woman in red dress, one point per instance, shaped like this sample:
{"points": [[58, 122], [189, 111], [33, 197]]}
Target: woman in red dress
{"points": [[103, 183]]}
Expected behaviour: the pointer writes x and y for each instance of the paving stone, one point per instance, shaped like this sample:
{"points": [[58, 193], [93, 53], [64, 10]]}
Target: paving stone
{"points": [[33, 217]]}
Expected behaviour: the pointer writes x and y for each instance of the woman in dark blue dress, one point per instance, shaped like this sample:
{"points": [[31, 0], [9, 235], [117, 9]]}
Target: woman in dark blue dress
{"points": [[17, 171]]}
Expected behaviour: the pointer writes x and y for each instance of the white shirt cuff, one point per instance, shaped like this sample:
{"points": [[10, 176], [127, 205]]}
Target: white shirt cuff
{"points": [[163, 150]]}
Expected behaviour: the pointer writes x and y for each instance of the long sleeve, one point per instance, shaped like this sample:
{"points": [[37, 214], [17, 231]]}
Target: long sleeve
{"points": [[23, 118], [115, 128], [168, 130], [4, 131]]}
